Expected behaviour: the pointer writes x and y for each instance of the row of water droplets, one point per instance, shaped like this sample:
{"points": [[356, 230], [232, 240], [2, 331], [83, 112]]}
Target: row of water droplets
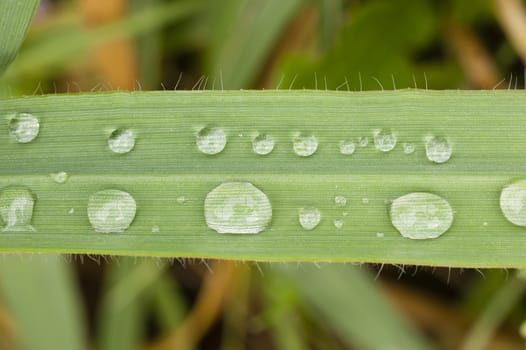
{"points": [[212, 140], [24, 128], [240, 207]]}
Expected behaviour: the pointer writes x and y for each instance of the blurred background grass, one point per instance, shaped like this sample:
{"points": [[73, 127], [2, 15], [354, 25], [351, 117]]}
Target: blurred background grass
{"points": [[93, 302]]}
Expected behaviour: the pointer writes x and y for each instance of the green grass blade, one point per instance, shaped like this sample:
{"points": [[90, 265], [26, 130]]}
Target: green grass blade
{"points": [[15, 18], [59, 50], [242, 42], [484, 128], [56, 323], [347, 299]]}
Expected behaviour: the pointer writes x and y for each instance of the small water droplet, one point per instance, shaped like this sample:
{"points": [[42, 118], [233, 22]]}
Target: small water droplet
{"points": [[181, 199], [421, 215], [379, 234], [409, 148], [71, 211], [237, 207], [309, 217], [363, 141], [16, 209], [484, 224], [121, 141], [211, 140], [384, 140], [345, 213], [156, 229], [111, 210], [340, 201], [365, 200], [438, 149], [338, 223], [24, 127], [305, 146], [347, 147], [60, 177], [263, 144], [513, 202]]}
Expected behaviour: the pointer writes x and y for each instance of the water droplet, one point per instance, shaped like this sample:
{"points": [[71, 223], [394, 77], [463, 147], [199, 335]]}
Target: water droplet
{"points": [[513, 202], [60, 177], [24, 127], [305, 146], [16, 209], [237, 207], [211, 140], [345, 213], [384, 140], [363, 141], [379, 234], [263, 144], [409, 148], [111, 210], [340, 201], [338, 223], [421, 215], [347, 147], [438, 149], [309, 217], [71, 211], [156, 229], [121, 141], [484, 224], [365, 200], [181, 199]]}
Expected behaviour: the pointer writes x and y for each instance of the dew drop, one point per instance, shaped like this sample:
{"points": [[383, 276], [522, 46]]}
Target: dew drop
{"points": [[513, 202], [363, 141], [24, 127], [16, 209], [345, 213], [181, 199], [340, 201], [211, 140], [384, 140], [309, 217], [379, 234], [111, 210], [60, 177], [156, 229], [305, 146], [121, 141], [438, 150], [71, 211], [421, 215], [347, 147], [365, 200], [237, 207], [263, 144], [409, 148], [338, 223]]}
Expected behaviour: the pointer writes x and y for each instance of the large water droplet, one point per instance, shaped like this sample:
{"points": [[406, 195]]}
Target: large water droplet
{"points": [[309, 217], [16, 209], [121, 141], [60, 177], [347, 147], [111, 210], [305, 145], [237, 207], [438, 149], [211, 140], [24, 127], [421, 215], [384, 140], [340, 201], [513, 202], [263, 144]]}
